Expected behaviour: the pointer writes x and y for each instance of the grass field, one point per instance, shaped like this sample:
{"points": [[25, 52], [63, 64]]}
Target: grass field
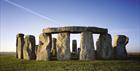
{"points": [[8, 62]]}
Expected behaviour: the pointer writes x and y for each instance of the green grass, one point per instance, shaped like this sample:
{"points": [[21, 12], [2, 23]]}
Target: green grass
{"points": [[10, 63]]}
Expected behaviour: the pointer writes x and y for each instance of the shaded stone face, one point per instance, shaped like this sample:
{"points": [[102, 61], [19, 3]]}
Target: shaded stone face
{"points": [[19, 45], [104, 46], [74, 46], [78, 53], [53, 50], [29, 47], [44, 47], [63, 46], [120, 42], [87, 51], [75, 29]]}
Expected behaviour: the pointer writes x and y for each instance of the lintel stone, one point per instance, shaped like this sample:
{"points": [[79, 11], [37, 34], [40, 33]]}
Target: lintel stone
{"points": [[75, 29]]}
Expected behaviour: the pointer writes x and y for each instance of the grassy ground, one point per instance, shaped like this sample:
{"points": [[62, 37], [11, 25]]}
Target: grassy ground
{"points": [[8, 62]]}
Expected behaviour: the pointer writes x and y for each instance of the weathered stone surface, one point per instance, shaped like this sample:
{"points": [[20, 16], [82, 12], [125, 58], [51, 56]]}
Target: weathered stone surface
{"points": [[19, 45], [74, 46], [36, 47], [53, 50], [74, 54], [75, 29], [87, 51], [29, 47], [44, 47], [120, 42], [79, 53], [104, 46], [63, 46]]}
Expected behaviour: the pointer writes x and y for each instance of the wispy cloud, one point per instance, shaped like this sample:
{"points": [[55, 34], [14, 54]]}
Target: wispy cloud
{"points": [[32, 12]]}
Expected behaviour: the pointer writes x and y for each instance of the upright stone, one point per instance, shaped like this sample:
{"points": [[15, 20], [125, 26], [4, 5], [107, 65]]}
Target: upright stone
{"points": [[63, 46], [104, 46], [74, 46], [120, 42], [44, 47], [29, 48], [74, 54], [87, 51], [19, 45], [79, 53], [53, 50]]}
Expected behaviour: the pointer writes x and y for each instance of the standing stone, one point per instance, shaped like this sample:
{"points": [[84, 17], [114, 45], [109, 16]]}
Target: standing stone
{"points": [[104, 46], [44, 47], [120, 42], [53, 50], [29, 48], [78, 53], [74, 46], [74, 54], [19, 45], [36, 47], [87, 51], [63, 46]]}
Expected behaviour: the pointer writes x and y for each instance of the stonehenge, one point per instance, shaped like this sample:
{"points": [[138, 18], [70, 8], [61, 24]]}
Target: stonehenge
{"points": [[58, 48]]}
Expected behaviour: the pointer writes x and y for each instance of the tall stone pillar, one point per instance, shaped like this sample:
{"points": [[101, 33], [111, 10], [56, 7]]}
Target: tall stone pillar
{"points": [[74, 46], [53, 50], [63, 46], [19, 45], [120, 42], [29, 48], [87, 51], [104, 46], [44, 47]]}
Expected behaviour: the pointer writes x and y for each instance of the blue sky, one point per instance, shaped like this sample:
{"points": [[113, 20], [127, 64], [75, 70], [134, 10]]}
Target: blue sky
{"points": [[31, 16]]}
